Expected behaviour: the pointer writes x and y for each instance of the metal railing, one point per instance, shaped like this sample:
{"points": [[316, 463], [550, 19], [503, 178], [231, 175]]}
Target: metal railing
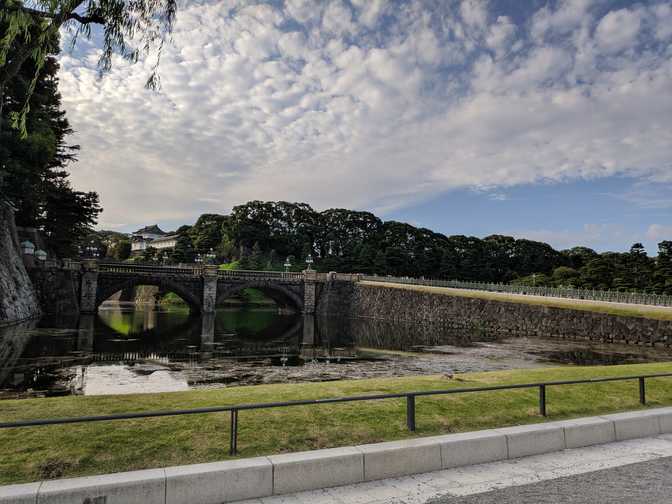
{"points": [[410, 398], [560, 292], [255, 275], [141, 269], [197, 270]]}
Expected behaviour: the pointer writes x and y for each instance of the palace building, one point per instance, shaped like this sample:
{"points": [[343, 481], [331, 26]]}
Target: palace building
{"points": [[152, 236]]}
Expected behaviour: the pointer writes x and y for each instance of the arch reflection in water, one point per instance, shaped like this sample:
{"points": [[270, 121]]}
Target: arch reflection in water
{"points": [[132, 331]]}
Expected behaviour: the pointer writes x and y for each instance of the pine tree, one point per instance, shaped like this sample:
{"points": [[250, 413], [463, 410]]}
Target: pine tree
{"points": [[256, 258], [36, 167]]}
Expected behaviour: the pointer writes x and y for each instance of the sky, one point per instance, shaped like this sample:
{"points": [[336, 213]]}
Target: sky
{"points": [[550, 120]]}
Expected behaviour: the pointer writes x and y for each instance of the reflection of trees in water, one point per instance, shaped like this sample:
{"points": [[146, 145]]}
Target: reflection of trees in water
{"points": [[394, 335], [269, 334], [179, 335]]}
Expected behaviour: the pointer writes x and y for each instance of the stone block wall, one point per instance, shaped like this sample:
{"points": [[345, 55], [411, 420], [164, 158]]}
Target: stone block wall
{"points": [[17, 297], [492, 317], [58, 290]]}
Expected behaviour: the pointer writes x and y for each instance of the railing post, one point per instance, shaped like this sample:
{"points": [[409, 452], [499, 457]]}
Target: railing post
{"points": [[642, 391], [410, 412], [234, 432], [542, 400]]}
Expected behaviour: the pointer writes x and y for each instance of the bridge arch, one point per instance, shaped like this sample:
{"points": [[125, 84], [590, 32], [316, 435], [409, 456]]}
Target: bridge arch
{"points": [[107, 287], [283, 296]]}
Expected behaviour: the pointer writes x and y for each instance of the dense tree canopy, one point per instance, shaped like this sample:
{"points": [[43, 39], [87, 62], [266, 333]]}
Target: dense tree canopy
{"points": [[263, 234]]}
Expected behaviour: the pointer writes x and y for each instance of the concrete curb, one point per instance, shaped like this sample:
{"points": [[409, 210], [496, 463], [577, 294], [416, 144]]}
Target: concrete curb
{"points": [[236, 480]]}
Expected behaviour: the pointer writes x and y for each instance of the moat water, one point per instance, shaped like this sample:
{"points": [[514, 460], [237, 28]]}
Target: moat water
{"points": [[134, 349]]}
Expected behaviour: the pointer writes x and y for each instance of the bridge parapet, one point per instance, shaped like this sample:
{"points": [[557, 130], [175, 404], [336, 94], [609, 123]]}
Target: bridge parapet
{"points": [[261, 275], [142, 269]]}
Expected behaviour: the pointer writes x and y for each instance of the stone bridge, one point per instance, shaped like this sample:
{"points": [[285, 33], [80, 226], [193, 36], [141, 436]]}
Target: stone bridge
{"points": [[201, 287]]}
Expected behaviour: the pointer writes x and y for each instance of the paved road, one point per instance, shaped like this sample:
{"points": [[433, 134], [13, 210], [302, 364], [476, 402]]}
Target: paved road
{"points": [[642, 483]]}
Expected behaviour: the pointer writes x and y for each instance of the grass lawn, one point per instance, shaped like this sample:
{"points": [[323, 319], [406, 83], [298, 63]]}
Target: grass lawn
{"points": [[622, 309], [82, 449]]}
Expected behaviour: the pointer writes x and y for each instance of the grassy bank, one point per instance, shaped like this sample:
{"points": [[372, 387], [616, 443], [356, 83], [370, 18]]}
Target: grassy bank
{"points": [[70, 450], [622, 309]]}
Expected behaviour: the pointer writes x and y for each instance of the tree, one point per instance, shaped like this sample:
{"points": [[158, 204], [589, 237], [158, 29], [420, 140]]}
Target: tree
{"points": [[184, 249], [639, 267], [207, 233], [121, 250], [380, 263], [449, 264], [598, 273], [30, 28], [564, 276], [662, 277], [244, 262], [68, 215], [35, 175], [256, 260], [150, 254]]}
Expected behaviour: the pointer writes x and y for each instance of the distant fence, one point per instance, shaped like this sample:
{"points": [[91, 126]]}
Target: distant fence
{"points": [[560, 292]]}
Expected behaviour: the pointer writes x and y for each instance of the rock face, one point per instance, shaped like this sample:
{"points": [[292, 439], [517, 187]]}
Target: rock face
{"points": [[17, 297]]}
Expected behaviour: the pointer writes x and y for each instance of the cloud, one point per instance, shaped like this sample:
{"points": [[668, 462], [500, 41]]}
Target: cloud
{"points": [[648, 195], [373, 105], [659, 232], [618, 30]]}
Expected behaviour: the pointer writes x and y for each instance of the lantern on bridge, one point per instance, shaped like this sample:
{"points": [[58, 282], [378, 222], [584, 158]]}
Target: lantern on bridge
{"points": [[27, 248]]}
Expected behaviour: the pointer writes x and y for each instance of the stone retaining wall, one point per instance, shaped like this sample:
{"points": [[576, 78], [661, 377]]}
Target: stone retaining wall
{"points": [[58, 290], [492, 317], [17, 298]]}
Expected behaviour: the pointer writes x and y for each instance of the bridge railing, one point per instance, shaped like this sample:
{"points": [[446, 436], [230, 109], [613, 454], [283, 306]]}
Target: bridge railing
{"points": [[141, 269], [259, 275], [641, 298]]}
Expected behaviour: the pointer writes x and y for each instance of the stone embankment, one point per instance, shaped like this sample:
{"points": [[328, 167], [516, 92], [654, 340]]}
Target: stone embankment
{"points": [[18, 300], [493, 318]]}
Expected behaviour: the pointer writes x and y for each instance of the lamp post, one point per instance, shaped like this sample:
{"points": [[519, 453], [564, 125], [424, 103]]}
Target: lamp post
{"points": [[287, 265], [309, 262], [91, 250], [211, 256], [27, 248]]}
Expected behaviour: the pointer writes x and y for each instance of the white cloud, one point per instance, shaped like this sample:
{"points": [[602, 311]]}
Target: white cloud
{"points": [[663, 14], [567, 16], [475, 13], [370, 10], [618, 30], [659, 232], [337, 18], [369, 107], [500, 35]]}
